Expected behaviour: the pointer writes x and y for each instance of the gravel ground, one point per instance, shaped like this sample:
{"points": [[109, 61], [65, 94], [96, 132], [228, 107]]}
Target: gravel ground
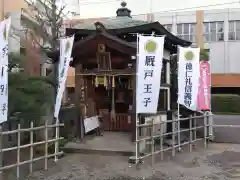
{"points": [[215, 163]]}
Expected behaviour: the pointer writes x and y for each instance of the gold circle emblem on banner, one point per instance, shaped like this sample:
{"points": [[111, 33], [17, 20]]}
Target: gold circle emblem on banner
{"points": [[5, 33], [189, 55], [151, 46]]}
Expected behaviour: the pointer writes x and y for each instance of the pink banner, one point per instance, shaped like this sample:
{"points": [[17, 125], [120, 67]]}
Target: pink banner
{"points": [[204, 91]]}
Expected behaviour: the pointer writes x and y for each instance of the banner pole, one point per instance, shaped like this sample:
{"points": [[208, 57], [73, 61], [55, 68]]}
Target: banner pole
{"points": [[211, 117], [178, 107], [178, 127], [136, 143], [56, 139]]}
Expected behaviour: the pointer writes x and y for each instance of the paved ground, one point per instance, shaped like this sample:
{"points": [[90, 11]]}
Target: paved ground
{"points": [[218, 162], [111, 142], [227, 134]]}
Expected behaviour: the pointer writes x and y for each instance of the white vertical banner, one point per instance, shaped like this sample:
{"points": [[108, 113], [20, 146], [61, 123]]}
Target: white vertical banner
{"points": [[4, 35], [149, 69], [66, 45], [188, 77]]}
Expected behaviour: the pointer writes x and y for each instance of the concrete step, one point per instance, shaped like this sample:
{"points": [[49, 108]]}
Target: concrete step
{"points": [[97, 151]]}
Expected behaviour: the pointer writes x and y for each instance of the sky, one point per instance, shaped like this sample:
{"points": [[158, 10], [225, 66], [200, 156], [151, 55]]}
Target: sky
{"points": [[107, 8]]}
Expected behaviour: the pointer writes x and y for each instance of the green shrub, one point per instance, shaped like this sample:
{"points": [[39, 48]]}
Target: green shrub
{"points": [[226, 103]]}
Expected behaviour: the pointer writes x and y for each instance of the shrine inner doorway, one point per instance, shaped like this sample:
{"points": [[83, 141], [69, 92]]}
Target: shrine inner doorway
{"points": [[114, 104]]}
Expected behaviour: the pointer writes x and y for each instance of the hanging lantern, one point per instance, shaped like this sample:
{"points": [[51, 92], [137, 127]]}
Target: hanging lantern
{"points": [[96, 81], [113, 82]]}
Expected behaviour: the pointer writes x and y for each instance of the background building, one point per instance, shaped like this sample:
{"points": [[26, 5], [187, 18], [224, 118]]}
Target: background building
{"points": [[217, 31], [220, 32], [22, 39], [26, 41]]}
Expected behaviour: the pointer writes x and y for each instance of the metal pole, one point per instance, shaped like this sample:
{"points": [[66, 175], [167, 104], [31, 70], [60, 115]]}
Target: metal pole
{"points": [[46, 145], [1, 154], [173, 135], [211, 135], [18, 150], [56, 139], [190, 133], [136, 153], [136, 144], [205, 129], [1, 128], [194, 130], [178, 128], [152, 142], [31, 149], [178, 113]]}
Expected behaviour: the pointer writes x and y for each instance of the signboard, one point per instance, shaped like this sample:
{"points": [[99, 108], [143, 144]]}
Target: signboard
{"points": [[188, 77], [91, 123], [149, 73]]}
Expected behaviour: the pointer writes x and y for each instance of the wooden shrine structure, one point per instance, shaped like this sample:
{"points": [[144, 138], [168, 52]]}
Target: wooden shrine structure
{"points": [[104, 57]]}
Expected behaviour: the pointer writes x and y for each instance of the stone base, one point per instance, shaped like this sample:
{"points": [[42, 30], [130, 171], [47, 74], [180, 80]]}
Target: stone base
{"points": [[132, 160]]}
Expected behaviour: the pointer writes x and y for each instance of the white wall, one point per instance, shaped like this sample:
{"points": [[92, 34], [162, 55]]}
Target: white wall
{"points": [[224, 56]]}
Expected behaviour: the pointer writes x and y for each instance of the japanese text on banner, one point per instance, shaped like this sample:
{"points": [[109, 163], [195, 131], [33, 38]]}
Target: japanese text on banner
{"points": [[4, 34], [188, 77], [149, 73], [188, 85]]}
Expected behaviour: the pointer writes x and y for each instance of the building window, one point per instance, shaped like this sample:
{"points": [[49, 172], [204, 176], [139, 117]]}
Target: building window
{"points": [[186, 31], [234, 30], [213, 31], [168, 27]]}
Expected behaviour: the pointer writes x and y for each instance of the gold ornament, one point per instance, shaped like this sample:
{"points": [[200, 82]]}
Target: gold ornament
{"points": [[5, 33]]}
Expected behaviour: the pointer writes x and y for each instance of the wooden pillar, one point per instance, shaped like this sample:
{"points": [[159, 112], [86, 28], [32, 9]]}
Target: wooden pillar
{"points": [[199, 28], [79, 103]]}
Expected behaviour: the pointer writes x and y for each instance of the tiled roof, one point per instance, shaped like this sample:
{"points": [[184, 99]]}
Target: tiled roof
{"points": [[110, 23]]}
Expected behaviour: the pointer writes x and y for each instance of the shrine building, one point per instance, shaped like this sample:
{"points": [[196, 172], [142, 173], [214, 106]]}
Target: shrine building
{"points": [[104, 58]]}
